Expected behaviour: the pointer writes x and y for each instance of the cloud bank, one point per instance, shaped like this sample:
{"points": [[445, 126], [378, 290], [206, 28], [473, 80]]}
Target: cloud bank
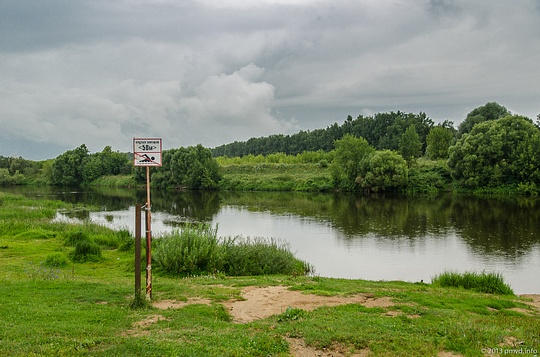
{"points": [[212, 72]]}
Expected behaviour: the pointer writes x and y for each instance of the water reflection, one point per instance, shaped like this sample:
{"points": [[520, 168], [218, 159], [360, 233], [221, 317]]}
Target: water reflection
{"points": [[375, 237]]}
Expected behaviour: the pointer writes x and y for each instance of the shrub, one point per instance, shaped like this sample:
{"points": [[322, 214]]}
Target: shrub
{"points": [[56, 260], [491, 283]]}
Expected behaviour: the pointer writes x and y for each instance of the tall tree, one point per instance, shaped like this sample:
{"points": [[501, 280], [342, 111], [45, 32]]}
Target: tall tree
{"points": [[410, 146], [349, 159], [498, 152], [67, 169], [487, 112], [386, 170], [438, 142]]}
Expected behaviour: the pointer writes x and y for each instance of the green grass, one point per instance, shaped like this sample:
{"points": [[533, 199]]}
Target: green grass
{"points": [[276, 177], [484, 282], [83, 309]]}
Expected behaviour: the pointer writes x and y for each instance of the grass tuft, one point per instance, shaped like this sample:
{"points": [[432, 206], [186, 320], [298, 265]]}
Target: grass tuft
{"points": [[491, 283]]}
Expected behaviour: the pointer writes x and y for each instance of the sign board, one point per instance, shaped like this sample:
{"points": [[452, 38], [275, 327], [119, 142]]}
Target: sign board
{"points": [[147, 151]]}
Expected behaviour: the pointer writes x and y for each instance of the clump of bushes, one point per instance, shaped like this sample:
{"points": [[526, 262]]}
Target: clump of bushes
{"points": [[491, 283], [196, 249]]}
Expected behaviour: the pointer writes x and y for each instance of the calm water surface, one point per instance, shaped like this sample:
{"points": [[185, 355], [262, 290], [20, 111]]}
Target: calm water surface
{"points": [[345, 236]]}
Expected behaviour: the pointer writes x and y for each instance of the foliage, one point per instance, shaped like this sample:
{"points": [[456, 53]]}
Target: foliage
{"points": [[490, 283], [385, 171], [410, 146], [77, 167], [438, 141], [497, 153], [351, 155], [192, 167], [382, 131], [67, 169], [196, 250], [429, 177], [486, 112]]}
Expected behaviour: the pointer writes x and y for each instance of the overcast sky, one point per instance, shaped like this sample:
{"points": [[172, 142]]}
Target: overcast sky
{"points": [[101, 72]]}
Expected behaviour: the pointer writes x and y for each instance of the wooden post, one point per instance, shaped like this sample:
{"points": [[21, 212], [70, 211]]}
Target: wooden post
{"points": [[138, 223], [148, 238]]}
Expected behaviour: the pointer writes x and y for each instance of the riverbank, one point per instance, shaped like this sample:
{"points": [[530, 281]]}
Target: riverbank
{"points": [[54, 306]]}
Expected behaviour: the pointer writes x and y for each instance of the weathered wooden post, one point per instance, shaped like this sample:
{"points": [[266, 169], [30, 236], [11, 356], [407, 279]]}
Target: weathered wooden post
{"points": [[138, 222], [147, 152]]}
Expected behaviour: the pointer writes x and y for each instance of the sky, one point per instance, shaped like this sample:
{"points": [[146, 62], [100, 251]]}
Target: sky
{"points": [[210, 72]]}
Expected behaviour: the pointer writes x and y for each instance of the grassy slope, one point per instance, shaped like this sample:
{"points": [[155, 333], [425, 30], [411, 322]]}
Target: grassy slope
{"points": [[83, 309], [276, 177]]}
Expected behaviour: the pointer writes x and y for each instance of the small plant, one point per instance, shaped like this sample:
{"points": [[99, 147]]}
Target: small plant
{"points": [[56, 260], [42, 272], [86, 250], [139, 302], [491, 283], [75, 236], [291, 314]]}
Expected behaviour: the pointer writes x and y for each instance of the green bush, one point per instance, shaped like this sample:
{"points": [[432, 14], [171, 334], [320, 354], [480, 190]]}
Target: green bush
{"points": [[196, 249], [491, 283]]}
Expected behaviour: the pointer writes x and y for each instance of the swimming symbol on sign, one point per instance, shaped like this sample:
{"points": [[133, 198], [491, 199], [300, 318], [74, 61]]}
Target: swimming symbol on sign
{"points": [[147, 158]]}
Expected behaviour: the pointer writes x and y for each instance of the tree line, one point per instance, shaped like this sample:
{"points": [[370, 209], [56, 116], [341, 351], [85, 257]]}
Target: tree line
{"points": [[490, 148]]}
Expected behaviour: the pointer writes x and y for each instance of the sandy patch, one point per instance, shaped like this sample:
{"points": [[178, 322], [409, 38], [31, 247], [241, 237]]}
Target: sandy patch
{"points": [[264, 302], [139, 326], [535, 300], [176, 304], [299, 348]]}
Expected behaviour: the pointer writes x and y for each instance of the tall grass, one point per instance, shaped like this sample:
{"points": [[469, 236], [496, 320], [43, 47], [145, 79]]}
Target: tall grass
{"points": [[190, 250], [491, 283], [260, 256], [196, 249]]}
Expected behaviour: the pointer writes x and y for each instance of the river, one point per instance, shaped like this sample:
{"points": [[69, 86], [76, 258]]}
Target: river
{"points": [[347, 236]]}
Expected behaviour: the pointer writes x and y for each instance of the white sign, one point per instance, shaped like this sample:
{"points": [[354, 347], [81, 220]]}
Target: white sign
{"points": [[147, 151]]}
